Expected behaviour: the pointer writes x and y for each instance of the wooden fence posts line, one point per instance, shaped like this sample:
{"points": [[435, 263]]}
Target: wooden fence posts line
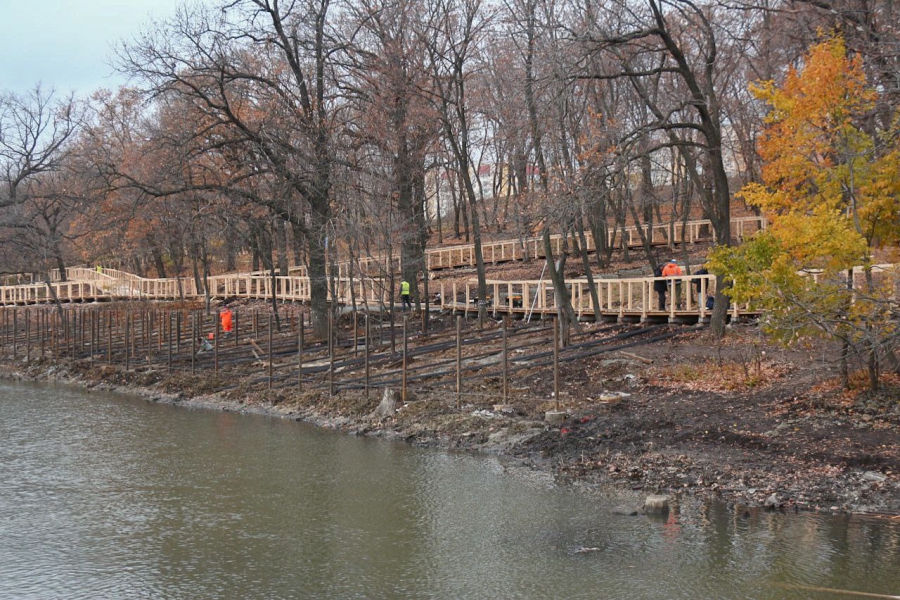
{"points": [[76, 334]]}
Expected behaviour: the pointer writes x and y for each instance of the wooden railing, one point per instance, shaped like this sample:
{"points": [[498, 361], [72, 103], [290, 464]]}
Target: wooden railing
{"points": [[36, 293], [618, 298], [508, 250]]}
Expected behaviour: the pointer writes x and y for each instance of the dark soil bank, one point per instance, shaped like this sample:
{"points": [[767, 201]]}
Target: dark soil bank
{"points": [[742, 421]]}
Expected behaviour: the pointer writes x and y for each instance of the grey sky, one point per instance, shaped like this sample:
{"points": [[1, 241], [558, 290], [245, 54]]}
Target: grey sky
{"points": [[67, 44]]}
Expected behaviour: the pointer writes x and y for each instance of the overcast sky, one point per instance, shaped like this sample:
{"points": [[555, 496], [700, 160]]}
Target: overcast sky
{"points": [[67, 44]]}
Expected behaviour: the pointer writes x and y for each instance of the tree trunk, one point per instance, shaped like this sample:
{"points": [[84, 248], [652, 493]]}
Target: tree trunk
{"points": [[565, 313]]}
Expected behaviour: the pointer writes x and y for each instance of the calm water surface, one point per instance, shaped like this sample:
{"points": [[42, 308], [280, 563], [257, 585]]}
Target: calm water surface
{"points": [[105, 496]]}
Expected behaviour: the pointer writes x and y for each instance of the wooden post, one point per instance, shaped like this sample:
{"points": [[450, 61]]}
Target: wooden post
{"points": [[27, 335], [355, 330], [271, 357], [556, 361], [15, 332], [505, 364], [237, 334], [458, 361], [109, 322], [405, 340], [42, 321], [178, 332]]}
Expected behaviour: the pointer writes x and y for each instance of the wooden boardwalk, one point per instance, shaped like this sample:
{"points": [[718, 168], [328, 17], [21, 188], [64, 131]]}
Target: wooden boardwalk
{"points": [[501, 251], [620, 300], [631, 299], [690, 232], [627, 300]]}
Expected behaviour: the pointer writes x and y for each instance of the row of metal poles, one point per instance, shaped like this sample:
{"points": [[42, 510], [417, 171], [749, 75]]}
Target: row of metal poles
{"points": [[123, 335]]}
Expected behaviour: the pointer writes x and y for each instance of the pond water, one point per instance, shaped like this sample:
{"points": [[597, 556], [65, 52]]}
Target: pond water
{"points": [[109, 496]]}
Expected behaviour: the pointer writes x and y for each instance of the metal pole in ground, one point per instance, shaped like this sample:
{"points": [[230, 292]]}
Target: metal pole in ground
{"points": [[193, 344], [237, 331], [216, 342], [42, 321], [27, 336], [127, 338], [355, 330], [405, 340], [505, 364], [91, 347], [95, 334], [458, 361], [367, 355], [109, 322], [15, 332], [556, 361], [330, 352], [169, 343], [67, 320], [300, 354], [271, 357]]}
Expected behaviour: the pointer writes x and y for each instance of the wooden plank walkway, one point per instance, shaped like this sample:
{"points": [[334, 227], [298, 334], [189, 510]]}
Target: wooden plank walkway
{"points": [[463, 255], [620, 300], [631, 299]]}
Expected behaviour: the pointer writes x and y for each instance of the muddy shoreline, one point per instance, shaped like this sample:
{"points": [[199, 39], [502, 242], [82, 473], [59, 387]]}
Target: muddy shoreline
{"points": [[670, 421]]}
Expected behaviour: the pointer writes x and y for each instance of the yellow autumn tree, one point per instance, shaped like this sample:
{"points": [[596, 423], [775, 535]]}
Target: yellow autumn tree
{"points": [[830, 190]]}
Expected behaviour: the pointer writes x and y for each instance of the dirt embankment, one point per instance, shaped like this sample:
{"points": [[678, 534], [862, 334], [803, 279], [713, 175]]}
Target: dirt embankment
{"points": [[740, 421]]}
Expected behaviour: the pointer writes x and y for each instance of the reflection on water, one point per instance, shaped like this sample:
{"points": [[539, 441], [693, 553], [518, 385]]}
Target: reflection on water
{"points": [[106, 496]]}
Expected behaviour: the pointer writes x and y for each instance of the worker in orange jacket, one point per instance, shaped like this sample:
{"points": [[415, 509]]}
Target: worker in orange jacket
{"points": [[225, 317], [673, 270]]}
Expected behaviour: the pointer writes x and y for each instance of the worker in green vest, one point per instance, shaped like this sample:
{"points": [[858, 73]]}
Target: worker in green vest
{"points": [[404, 295]]}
